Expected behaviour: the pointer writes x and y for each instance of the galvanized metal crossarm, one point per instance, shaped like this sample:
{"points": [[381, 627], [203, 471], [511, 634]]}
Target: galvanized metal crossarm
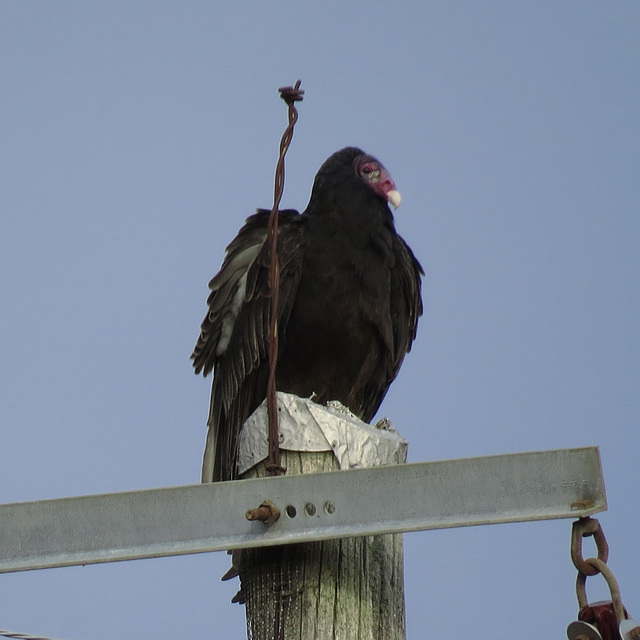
{"points": [[211, 517]]}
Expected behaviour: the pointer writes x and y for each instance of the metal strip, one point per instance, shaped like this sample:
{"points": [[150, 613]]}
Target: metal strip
{"points": [[194, 519]]}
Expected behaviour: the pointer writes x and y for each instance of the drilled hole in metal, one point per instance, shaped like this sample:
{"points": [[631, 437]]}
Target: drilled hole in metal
{"points": [[291, 511]]}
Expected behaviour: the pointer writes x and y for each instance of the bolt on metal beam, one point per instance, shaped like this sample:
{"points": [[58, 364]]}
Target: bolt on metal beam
{"points": [[517, 487]]}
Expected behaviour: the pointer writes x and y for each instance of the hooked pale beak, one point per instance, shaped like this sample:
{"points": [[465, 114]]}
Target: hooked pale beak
{"points": [[394, 198]]}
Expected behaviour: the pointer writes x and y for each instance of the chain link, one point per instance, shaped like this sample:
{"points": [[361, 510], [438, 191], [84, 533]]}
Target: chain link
{"points": [[583, 528], [614, 589]]}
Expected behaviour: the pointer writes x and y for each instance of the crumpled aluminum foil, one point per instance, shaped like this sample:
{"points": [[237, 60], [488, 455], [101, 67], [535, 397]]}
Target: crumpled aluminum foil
{"points": [[307, 426]]}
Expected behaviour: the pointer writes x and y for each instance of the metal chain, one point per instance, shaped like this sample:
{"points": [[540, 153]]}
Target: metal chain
{"points": [[290, 95], [583, 528]]}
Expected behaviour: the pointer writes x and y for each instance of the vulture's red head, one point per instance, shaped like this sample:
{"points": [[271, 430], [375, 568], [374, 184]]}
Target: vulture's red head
{"points": [[352, 162]]}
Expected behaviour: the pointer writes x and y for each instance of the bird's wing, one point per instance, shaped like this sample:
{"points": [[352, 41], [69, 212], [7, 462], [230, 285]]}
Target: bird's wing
{"points": [[233, 340], [406, 301], [398, 325]]}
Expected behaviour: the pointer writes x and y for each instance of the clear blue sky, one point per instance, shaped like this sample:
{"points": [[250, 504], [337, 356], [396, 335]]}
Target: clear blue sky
{"points": [[136, 137]]}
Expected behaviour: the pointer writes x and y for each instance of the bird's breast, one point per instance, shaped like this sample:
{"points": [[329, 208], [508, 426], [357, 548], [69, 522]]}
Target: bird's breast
{"points": [[332, 341]]}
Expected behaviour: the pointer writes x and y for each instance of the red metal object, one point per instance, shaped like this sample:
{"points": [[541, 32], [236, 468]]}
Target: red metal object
{"points": [[602, 616]]}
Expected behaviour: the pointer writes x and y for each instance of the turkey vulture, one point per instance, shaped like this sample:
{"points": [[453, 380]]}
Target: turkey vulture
{"points": [[348, 307]]}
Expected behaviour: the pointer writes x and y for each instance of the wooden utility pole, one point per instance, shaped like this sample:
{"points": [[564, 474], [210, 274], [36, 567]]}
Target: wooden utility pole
{"points": [[348, 589], [329, 590], [344, 589]]}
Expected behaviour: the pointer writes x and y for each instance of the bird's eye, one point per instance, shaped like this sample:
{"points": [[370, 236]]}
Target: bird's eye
{"points": [[370, 172]]}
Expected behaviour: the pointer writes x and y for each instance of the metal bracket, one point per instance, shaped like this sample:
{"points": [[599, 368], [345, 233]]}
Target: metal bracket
{"points": [[518, 487]]}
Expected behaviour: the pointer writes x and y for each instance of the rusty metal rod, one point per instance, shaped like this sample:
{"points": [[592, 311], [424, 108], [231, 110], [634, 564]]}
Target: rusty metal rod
{"points": [[290, 95]]}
